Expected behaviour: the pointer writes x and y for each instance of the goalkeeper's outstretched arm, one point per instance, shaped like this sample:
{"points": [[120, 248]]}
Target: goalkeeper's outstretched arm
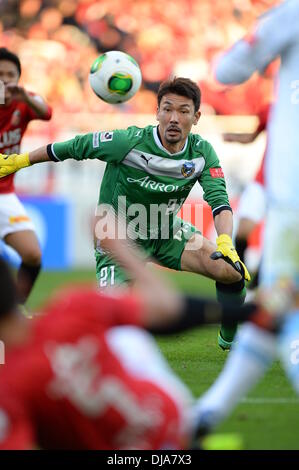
{"points": [[81, 147], [39, 156], [12, 163]]}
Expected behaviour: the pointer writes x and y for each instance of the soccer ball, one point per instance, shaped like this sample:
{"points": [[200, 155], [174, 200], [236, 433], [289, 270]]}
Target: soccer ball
{"points": [[115, 77]]}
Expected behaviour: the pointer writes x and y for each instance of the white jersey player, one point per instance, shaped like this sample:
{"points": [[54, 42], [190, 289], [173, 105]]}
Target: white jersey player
{"points": [[270, 39], [276, 35]]}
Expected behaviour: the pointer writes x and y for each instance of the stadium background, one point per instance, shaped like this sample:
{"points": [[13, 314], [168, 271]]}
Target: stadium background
{"points": [[57, 41]]}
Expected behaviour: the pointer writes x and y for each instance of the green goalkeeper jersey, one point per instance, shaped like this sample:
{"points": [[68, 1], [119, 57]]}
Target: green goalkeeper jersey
{"points": [[142, 174]]}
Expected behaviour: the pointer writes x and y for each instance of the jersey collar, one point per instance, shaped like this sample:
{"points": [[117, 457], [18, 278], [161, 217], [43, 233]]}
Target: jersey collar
{"points": [[159, 143]]}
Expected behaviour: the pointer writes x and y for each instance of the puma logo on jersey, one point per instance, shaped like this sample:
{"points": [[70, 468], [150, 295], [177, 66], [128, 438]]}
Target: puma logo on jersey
{"points": [[146, 159]]}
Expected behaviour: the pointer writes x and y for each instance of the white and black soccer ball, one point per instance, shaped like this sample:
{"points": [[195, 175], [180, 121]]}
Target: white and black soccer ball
{"points": [[115, 77]]}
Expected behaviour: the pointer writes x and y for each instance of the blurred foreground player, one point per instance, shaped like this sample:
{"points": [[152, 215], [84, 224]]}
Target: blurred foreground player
{"points": [[85, 374], [18, 107], [256, 347]]}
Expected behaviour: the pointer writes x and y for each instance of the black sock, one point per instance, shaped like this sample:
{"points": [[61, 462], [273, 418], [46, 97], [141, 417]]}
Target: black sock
{"points": [[26, 277], [199, 312], [241, 246], [230, 293]]}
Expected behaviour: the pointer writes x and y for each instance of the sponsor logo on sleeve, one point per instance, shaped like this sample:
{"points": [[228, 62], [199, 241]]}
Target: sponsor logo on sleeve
{"points": [[106, 136], [216, 173], [95, 140]]}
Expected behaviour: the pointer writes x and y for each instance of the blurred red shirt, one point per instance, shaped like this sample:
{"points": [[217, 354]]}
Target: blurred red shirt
{"points": [[67, 388], [251, 98]]}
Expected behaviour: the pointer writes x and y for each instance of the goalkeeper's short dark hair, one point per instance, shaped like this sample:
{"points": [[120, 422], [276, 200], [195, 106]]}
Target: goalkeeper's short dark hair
{"points": [[5, 54], [183, 87], [8, 290]]}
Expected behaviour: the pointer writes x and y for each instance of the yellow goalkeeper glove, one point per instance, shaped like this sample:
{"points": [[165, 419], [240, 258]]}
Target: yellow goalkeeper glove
{"points": [[227, 251], [12, 163]]}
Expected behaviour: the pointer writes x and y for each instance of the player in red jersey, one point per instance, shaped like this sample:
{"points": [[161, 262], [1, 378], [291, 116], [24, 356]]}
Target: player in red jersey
{"points": [[86, 381], [86, 375], [17, 108]]}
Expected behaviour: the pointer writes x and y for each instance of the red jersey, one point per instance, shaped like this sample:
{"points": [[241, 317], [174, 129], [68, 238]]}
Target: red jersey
{"points": [[67, 388], [245, 99], [252, 97], [14, 119]]}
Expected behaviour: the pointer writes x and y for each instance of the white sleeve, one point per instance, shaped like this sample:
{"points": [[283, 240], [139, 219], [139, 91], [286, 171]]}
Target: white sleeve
{"points": [[274, 33]]}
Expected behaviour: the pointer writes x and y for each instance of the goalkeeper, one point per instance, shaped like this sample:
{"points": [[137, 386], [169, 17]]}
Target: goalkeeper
{"points": [[156, 167]]}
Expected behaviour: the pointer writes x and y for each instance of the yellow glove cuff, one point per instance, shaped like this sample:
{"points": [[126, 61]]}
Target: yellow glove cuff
{"points": [[224, 238], [22, 160]]}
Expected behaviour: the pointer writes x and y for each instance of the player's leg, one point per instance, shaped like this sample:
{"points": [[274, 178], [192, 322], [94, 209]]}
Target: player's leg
{"points": [[26, 245], [188, 250], [256, 347], [251, 211], [18, 232], [245, 227], [196, 258], [229, 286], [283, 241], [288, 343], [247, 362]]}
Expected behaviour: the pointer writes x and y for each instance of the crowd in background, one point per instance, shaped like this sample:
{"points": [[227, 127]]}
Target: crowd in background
{"points": [[57, 41]]}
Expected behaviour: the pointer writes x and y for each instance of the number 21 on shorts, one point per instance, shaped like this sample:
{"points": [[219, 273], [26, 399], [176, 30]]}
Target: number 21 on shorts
{"points": [[107, 276]]}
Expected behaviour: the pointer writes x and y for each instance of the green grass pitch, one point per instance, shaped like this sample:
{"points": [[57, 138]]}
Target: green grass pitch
{"points": [[267, 419]]}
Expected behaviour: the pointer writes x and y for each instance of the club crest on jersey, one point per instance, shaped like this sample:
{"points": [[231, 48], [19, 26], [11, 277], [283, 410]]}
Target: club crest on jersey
{"points": [[106, 136], [188, 169]]}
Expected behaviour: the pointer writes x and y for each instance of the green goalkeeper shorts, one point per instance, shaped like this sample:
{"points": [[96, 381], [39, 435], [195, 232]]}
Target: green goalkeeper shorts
{"points": [[166, 252]]}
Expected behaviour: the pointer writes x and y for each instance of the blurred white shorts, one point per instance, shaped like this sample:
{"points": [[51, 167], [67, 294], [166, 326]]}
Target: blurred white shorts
{"points": [[280, 256], [13, 217], [140, 355], [252, 204]]}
